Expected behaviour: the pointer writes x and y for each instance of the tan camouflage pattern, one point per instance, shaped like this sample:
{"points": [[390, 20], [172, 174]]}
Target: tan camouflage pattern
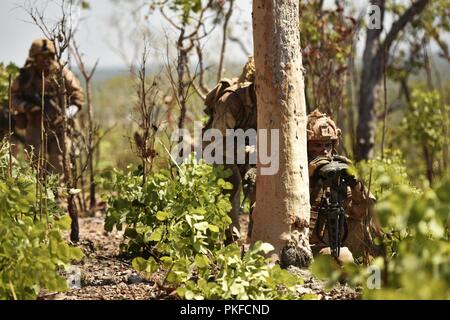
{"points": [[232, 105], [26, 100], [248, 72], [236, 108], [321, 128], [41, 47], [29, 84]]}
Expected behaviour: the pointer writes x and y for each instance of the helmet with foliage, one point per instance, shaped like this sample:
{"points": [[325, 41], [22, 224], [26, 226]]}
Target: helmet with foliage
{"points": [[248, 72], [320, 127], [41, 47]]}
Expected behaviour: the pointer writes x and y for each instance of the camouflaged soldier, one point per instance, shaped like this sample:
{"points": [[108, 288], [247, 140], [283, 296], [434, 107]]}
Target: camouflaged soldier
{"points": [[232, 105], [41, 69], [323, 137]]}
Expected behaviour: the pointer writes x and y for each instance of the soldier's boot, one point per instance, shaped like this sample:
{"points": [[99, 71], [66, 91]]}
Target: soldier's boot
{"points": [[345, 255]]}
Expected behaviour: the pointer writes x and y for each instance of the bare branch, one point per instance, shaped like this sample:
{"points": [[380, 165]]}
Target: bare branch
{"points": [[224, 39]]}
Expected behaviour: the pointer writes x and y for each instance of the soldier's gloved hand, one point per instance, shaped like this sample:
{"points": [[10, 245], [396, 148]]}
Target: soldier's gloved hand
{"points": [[350, 174], [71, 111], [316, 164], [342, 159]]}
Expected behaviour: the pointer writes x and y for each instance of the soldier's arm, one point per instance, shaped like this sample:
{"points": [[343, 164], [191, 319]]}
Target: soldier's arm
{"points": [[73, 88], [361, 211], [360, 201], [19, 103]]}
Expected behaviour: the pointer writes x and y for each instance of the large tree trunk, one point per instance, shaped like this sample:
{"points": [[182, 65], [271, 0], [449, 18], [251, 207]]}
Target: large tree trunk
{"points": [[374, 57], [282, 209]]}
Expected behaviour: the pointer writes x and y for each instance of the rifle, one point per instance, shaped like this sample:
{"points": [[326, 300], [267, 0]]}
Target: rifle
{"points": [[335, 179], [52, 110], [49, 102]]}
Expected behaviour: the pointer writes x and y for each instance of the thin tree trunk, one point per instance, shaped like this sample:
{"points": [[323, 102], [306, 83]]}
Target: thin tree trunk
{"points": [[282, 202], [351, 92], [224, 39], [370, 77], [373, 59], [92, 200], [68, 177], [181, 67]]}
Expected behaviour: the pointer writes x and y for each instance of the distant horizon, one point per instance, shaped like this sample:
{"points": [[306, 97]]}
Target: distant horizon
{"points": [[99, 32]]}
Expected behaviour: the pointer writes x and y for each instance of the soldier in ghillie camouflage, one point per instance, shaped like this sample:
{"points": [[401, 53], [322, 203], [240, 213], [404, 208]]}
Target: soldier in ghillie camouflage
{"points": [[37, 85], [232, 105]]}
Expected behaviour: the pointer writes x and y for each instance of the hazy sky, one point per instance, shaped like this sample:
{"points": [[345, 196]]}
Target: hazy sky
{"points": [[98, 30], [100, 27]]}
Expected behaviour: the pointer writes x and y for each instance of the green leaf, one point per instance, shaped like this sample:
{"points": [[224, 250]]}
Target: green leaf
{"points": [[201, 226], [202, 261], [77, 254], [64, 222], [156, 235], [181, 291], [213, 228], [188, 295], [163, 215], [139, 264]]}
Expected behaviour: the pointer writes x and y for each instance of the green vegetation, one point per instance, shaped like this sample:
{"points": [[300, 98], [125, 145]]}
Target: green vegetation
{"points": [[32, 248], [5, 71], [177, 222]]}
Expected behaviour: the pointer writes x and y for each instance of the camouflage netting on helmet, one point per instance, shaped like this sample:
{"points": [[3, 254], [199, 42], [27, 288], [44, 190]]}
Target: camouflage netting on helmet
{"points": [[320, 127], [248, 72]]}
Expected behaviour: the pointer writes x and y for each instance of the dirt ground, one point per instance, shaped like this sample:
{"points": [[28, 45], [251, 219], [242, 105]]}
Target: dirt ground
{"points": [[104, 275]]}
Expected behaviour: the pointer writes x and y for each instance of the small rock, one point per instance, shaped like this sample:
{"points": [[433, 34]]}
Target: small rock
{"points": [[134, 278]]}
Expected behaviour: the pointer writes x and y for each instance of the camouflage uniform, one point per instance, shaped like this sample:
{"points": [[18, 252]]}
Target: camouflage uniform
{"points": [[232, 105], [358, 206], [27, 100]]}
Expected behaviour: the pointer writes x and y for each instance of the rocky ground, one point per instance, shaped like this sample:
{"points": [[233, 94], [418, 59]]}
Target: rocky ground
{"points": [[105, 275]]}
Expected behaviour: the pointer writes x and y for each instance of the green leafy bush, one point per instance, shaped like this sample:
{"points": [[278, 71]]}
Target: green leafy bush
{"points": [[388, 174], [178, 222], [32, 250], [186, 214], [416, 264], [427, 119], [424, 134], [229, 275]]}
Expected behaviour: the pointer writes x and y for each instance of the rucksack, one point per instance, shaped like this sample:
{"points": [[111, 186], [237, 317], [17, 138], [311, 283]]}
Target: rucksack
{"points": [[214, 95]]}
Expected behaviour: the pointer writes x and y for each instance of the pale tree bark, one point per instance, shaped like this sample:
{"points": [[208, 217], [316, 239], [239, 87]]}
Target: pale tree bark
{"points": [[281, 216], [374, 57]]}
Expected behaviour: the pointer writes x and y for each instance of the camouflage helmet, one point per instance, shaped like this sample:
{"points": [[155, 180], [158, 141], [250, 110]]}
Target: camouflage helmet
{"points": [[321, 128], [248, 72], [41, 47]]}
